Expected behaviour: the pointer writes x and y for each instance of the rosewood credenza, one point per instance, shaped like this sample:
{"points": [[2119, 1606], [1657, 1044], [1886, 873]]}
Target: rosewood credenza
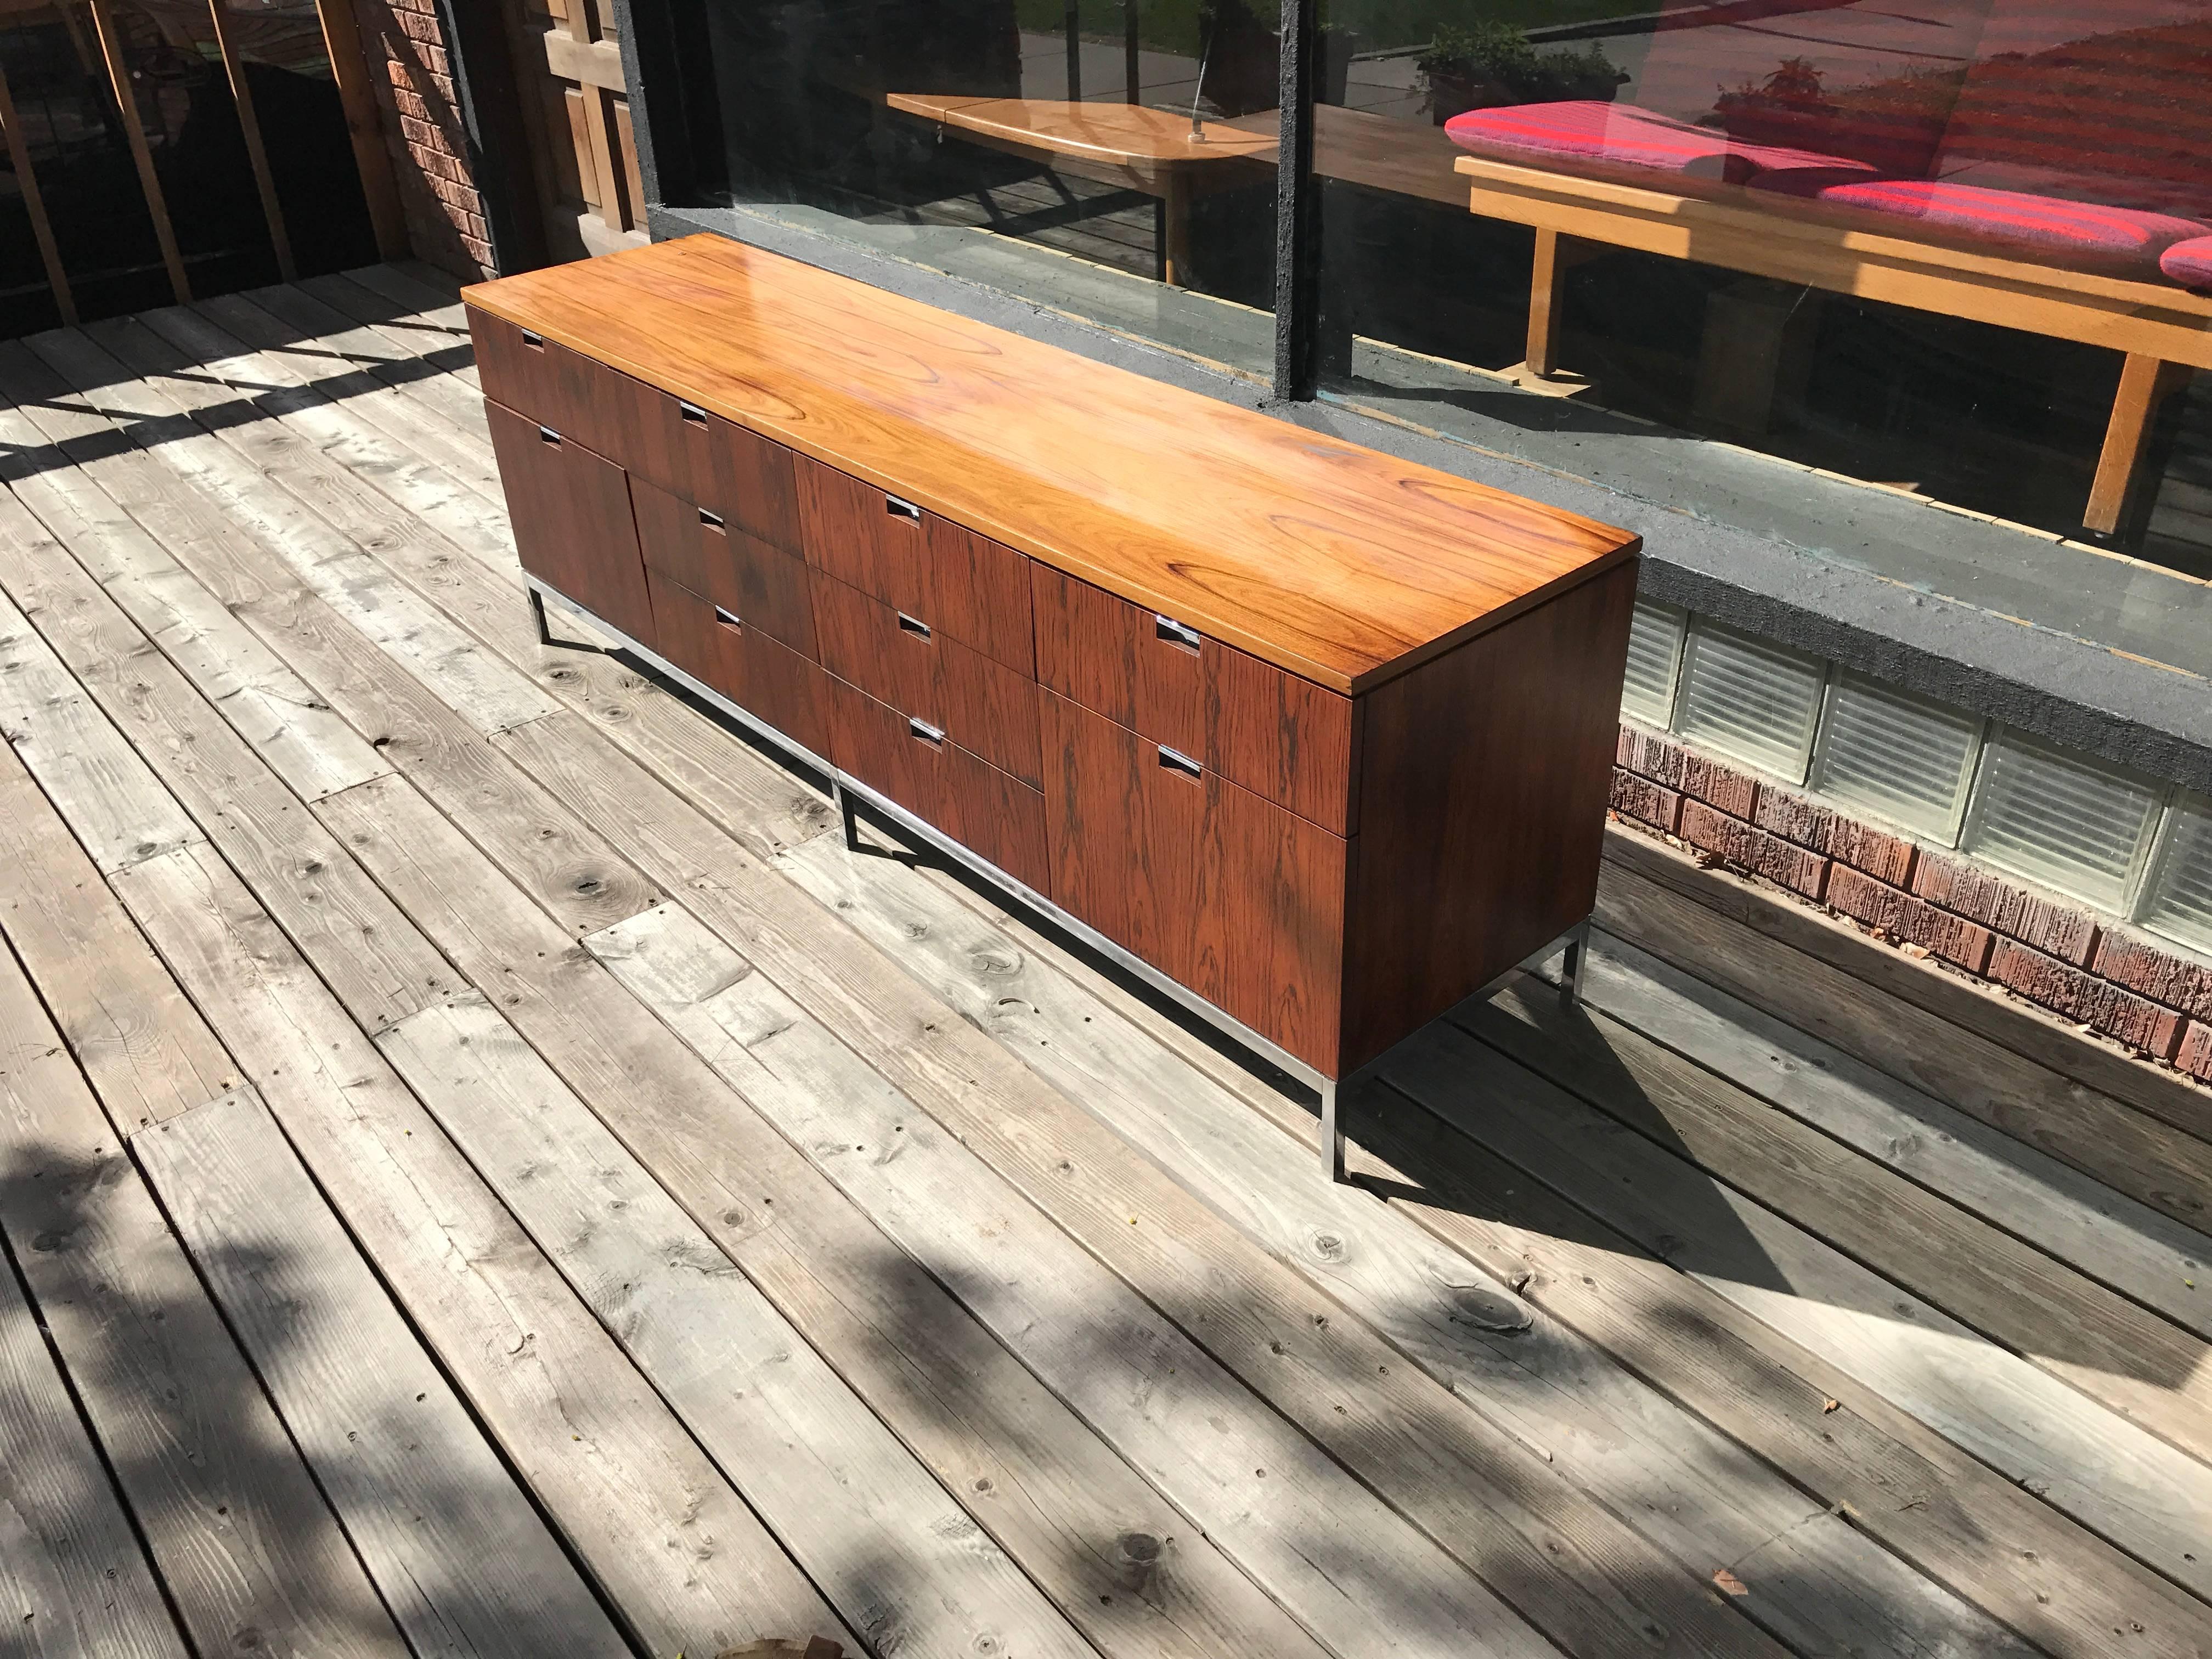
{"points": [[1317, 740]]}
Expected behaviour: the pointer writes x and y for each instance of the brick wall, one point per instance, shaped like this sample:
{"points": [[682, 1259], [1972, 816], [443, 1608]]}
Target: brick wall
{"points": [[422, 131], [1927, 900]]}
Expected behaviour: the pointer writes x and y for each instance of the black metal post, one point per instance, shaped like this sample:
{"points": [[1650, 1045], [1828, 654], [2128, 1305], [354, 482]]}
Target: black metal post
{"points": [[1074, 51], [489, 103], [1298, 206], [1134, 90]]}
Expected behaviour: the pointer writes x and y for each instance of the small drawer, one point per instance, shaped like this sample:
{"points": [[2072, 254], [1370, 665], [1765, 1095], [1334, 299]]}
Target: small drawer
{"points": [[990, 812], [546, 383], [696, 548], [964, 585], [768, 680], [898, 658], [1286, 739]]}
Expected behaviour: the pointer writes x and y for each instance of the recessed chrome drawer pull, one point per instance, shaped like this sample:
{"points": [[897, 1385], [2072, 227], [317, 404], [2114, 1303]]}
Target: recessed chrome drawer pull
{"points": [[1175, 633], [691, 412], [931, 735], [535, 342], [913, 625], [546, 434], [711, 520], [901, 508], [727, 618], [1174, 760]]}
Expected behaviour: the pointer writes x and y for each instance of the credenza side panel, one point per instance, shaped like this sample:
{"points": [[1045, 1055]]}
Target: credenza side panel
{"points": [[1485, 775]]}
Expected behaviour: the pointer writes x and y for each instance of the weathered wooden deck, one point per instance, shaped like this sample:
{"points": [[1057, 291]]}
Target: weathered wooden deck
{"points": [[483, 1172]]}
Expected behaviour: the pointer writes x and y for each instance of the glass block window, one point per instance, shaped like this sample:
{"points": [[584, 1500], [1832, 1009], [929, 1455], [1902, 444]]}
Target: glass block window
{"points": [[1654, 651], [1752, 699], [2061, 819], [2179, 900], [1902, 757]]}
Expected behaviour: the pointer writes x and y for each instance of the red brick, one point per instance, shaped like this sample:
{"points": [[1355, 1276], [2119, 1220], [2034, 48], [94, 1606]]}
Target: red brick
{"points": [[1645, 801], [1751, 848], [1652, 756], [2099, 1003], [414, 132], [1881, 905], [416, 27], [1722, 785], [2194, 1056], [406, 102], [1880, 854], [1793, 817], [2055, 930], [2157, 973]]}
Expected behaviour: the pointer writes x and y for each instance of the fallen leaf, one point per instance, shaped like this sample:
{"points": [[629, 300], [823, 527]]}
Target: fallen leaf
{"points": [[1729, 1582], [1827, 1405]]}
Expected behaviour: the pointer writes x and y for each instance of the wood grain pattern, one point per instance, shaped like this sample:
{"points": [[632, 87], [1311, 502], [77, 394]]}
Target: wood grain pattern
{"points": [[550, 385], [919, 562], [988, 810], [573, 524], [1469, 860], [1286, 739], [767, 588], [977, 701], [1342, 566], [1222, 892], [744, 664]]}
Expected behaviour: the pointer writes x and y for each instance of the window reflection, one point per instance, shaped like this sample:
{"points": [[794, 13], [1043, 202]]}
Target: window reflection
{"points": [[1034, 143], [1964, 247]]}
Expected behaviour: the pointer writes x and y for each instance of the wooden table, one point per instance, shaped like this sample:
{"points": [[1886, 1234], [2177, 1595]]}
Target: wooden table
{"points": [[1163, 155]]}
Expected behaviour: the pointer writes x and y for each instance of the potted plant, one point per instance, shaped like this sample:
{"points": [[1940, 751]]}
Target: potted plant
{"points": [[1492, 64]]}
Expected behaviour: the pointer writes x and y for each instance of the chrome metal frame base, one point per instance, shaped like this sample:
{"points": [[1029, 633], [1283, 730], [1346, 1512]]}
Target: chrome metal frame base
{"points": [[848, 792]]}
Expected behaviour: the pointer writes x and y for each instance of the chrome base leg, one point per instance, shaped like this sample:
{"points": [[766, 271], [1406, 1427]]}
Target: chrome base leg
{"points": [[1331, 1133], [843, 797], [1571, 969]]}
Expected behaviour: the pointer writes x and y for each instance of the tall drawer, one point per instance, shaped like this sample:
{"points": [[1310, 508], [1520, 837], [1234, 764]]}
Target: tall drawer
{"points": [[693, 546], [961, 584], [573, 527], [991, 812], [1223, 892], [1286, 739], [984, 706], [765, 678]]}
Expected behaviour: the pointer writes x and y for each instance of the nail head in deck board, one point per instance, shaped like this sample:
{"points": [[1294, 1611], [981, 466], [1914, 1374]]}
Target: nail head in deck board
{"points": [[2112, 1476], [463, 1561], [295, 866], [684, 1561], [2138, 1251], [1052, 1493], [2124, 1148], [1676, 1480], [904, 1563], [1319, 1543], [1172, 500], [1991, 1543], [74, 1584], [238, 1532]]}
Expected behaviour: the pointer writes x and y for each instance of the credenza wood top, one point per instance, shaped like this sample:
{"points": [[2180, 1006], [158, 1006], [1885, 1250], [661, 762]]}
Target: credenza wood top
{"points": [[1340, 564], [1106, 132]]}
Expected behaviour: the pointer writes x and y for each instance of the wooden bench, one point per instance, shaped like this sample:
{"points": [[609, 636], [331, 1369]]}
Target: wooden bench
{"points": [[2164, 332]]}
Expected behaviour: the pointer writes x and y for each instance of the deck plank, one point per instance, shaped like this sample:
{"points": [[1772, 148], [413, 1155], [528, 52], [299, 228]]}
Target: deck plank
{"points": [[428, 354], [2149, 1159], [250, 1553], [2113, 1477], [2138, 1251], [73, 1581], [906, 1566], [1080, 1521], [1675, 1477], [685, 1565]]}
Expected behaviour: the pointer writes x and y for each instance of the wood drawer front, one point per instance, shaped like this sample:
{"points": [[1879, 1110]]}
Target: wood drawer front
{"points": [[765, 678], [1286, 739], [961, 584], [573, 526], [1223, 892], [977, 701], [988, 811], [551, 386], [763, 586]]}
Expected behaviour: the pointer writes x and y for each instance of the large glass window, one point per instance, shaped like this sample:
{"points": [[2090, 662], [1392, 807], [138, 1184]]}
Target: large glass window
{"points": [[1960, 247], [1111, 158]]}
